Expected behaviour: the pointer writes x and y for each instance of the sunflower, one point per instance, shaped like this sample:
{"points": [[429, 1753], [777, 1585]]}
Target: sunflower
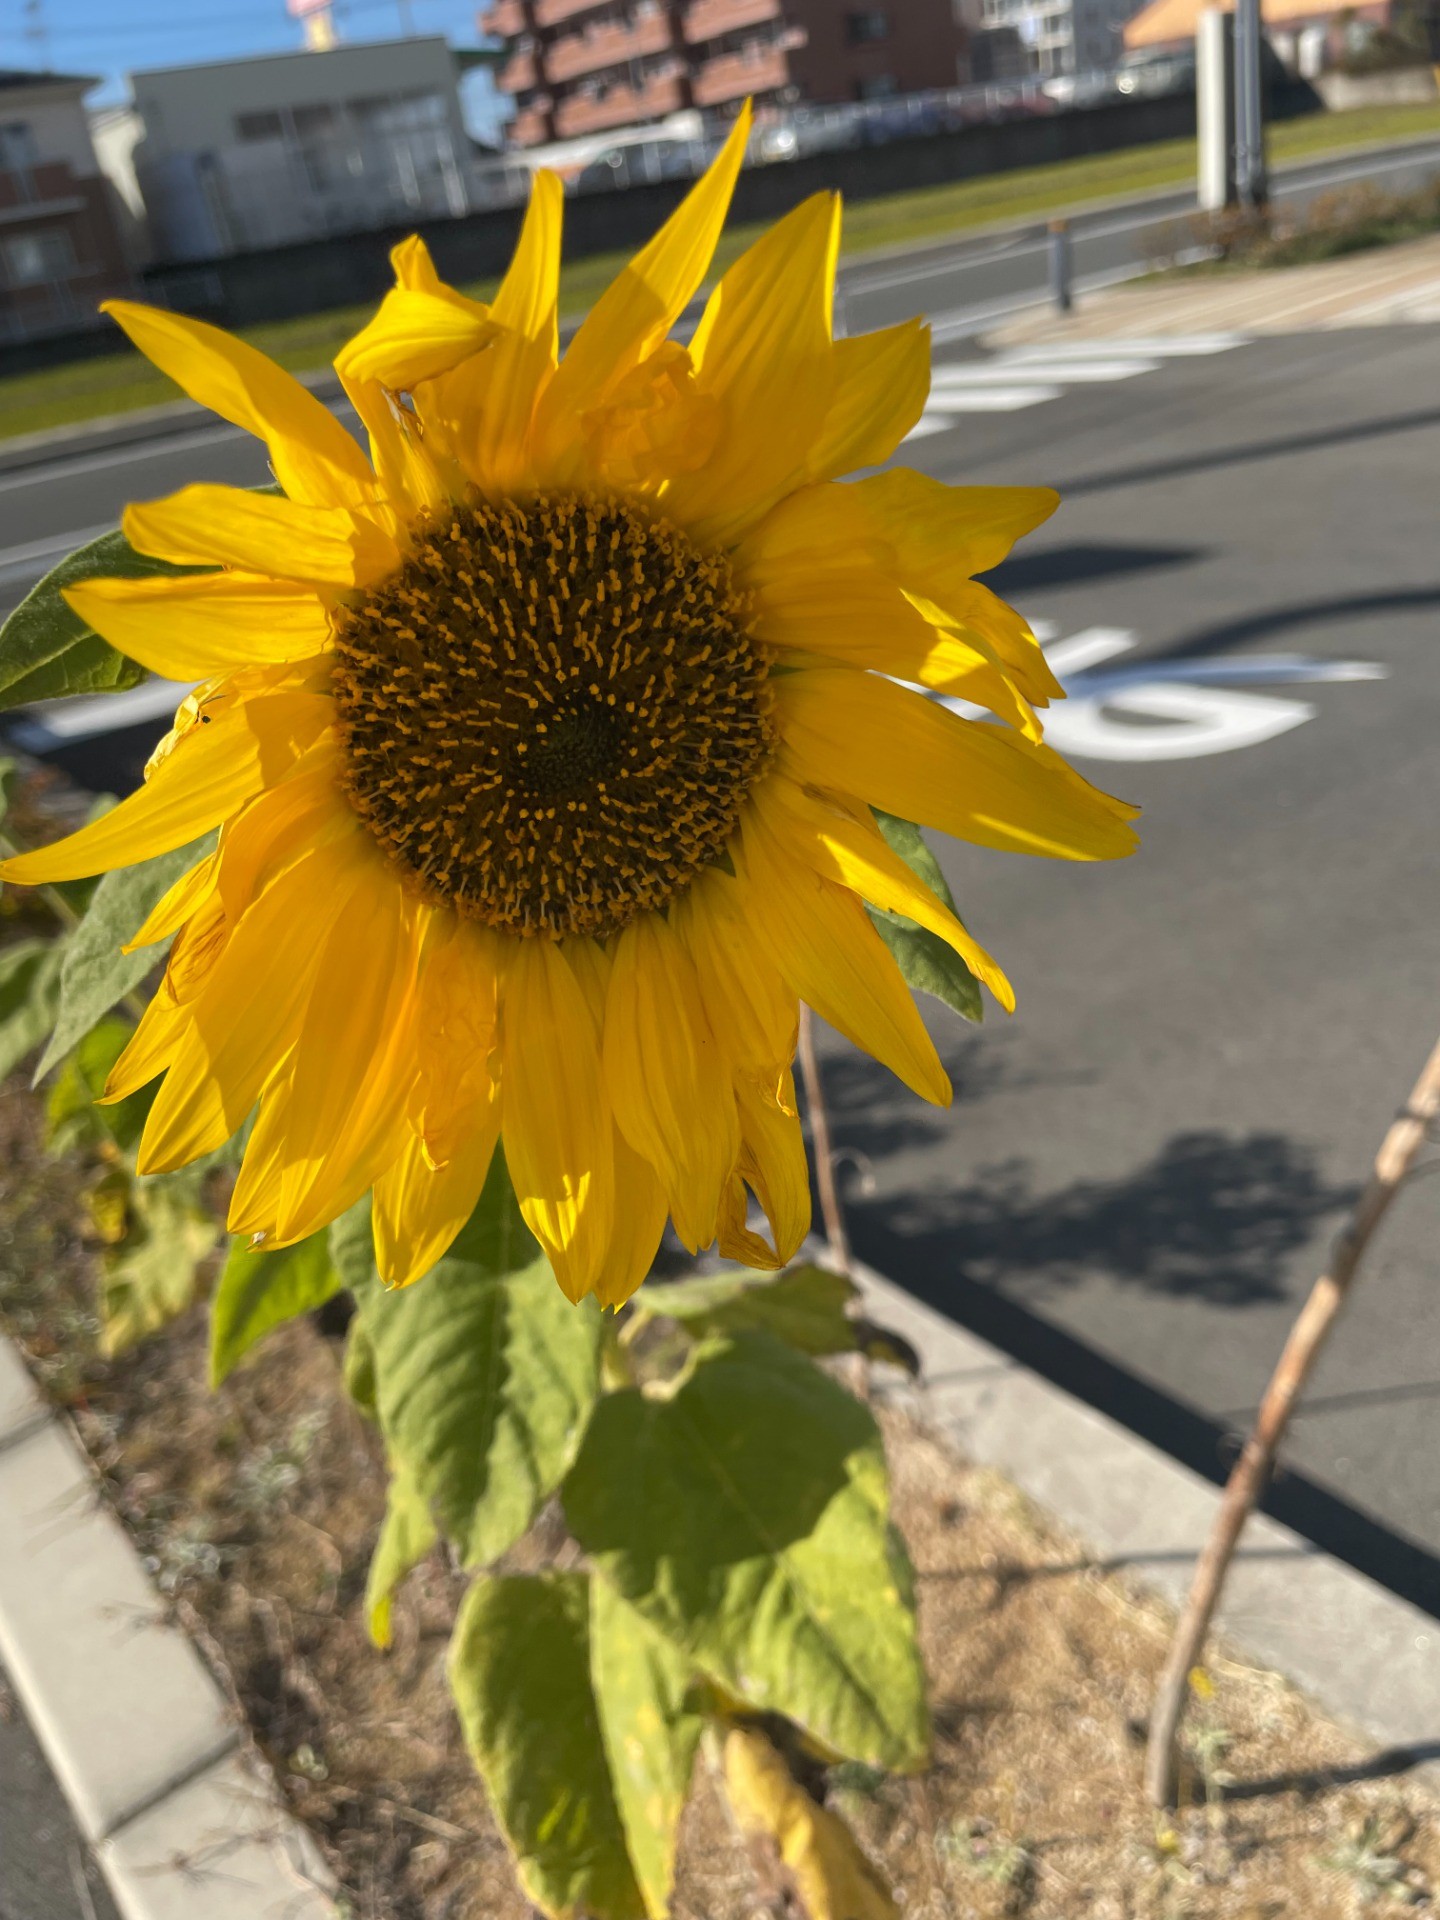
{"points": [[543, 745]]}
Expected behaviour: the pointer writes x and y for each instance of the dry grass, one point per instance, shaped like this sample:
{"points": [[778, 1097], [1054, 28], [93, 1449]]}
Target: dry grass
{"points": [[256, 1508]]}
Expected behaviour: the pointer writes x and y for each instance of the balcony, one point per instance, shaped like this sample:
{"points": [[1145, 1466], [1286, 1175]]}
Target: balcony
{"points": [[607, 45], [730, 76], [530, 127], [520, 73], [549, 13], [620, 107], [505, 18], [708, 19]]}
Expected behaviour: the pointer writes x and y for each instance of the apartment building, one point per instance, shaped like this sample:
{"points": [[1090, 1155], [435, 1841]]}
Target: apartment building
{"points": [[61, 250], [577, 67], [1055, 36], [236, 155]]}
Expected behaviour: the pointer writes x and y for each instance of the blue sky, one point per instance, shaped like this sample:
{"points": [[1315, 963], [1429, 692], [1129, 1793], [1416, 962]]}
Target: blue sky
{"points": [[112, 37]]}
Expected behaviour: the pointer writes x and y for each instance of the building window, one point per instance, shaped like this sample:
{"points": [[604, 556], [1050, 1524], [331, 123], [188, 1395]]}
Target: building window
{"points": [[258, 126], [33, 258], [867, 26], [879, 86], [17, 146]]}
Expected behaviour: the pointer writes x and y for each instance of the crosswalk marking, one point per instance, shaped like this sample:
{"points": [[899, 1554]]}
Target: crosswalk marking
{"points": [[1028, 376]]}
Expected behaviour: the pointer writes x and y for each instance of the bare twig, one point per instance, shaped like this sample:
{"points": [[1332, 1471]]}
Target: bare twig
{"points": [[830, 1208], [1251, 1471]]}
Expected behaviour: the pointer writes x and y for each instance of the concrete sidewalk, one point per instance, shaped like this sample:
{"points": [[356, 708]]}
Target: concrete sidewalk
{"points": [[1383, 286]]}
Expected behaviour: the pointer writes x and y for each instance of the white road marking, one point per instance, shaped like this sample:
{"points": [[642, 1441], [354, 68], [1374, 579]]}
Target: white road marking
{"points": [[1153, 346], [987, 399], [1050, 367]]}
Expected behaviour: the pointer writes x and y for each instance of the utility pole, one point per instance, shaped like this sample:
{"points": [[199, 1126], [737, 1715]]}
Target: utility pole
{"points": [[1251, 185]]}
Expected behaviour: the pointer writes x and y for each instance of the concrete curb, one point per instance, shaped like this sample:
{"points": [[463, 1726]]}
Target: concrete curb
{"points": [[1367, 1657], [137, 1732]]}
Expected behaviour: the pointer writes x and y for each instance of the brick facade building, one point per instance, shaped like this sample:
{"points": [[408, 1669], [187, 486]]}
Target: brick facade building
{"points": [[61, 251], [580, 67]]}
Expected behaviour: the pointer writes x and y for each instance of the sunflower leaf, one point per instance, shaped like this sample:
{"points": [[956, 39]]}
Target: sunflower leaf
{"points": [[407, 1534], [928, 964], [29, 997], [150, 1273], [259, 1291], [47, 651], [73, 1114], [520, 1670], [804, 1306], [745, 1516], [651, 1727], [95, 974], [483, 1377]]}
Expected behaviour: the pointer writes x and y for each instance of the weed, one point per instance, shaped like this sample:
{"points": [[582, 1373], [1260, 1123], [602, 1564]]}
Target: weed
{"points": [[1371, 1860]]}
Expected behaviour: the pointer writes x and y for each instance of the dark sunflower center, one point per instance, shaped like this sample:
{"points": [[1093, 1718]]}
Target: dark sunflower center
{"points": [[552, 712]]}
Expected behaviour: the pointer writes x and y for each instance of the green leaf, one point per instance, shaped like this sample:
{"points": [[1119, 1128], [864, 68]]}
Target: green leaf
{"points": [[804, 1306], [520, 1671], [407, 1534], [29, 996], [744, 1514], [150, 1276], [258, 1291], [95, 973], [352, 1249], [72, 1111], [484, 1377], [46, 650], [928, 964], [651, 1728]]}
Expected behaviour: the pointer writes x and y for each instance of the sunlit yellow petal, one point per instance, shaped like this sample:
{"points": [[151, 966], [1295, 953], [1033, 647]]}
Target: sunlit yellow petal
{"points": [[638, 309], [834, 959], [763, 352], [215, 769], [190, 627], [774, 1165], [556, 1121], [416, 335], [666, 1077], [419, 1208], [851, 850], [881, 383], [911, 757], [314, 458], [261, 533]]}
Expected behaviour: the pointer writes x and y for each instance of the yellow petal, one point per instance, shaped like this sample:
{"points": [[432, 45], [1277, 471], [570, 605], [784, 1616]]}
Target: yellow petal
{"points": [[455, 1021], [246, 1016], [556, 1122], [417, 334], [901, 752], [527, 300], [881, 384], [944, 534], [261, 533], [773, 1164], [419, 1208], [149, 1050], [210, 774], [177, 904], [304, 809], [763, 351], [667, 1079], [333, 1123], [640, 1213], [314, 458], [833, 958], [202, 624], [852, 851], [745, 997], [638, 309]]}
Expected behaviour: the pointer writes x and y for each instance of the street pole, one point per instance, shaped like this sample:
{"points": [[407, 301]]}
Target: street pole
{"points": [[1060, 289], [1214, 111], [1251, 185]]}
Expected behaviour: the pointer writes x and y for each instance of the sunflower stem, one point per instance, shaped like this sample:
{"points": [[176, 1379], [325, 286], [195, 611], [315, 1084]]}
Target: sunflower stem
{"points": [[1252, 1470], [831, 1209]]}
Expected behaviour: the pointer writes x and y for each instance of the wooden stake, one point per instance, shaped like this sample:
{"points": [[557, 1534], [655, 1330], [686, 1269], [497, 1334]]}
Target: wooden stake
{"points": [[1252, 1470], [831, 1210]]}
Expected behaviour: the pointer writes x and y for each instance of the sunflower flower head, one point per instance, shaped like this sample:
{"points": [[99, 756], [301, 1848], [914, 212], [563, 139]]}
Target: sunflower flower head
{"points": [[544, 739]]}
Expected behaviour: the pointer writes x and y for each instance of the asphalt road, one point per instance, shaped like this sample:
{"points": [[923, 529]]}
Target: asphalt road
{"points": [[45, 1871]]}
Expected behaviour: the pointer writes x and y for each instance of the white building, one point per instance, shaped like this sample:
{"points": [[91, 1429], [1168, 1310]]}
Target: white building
{"points": [[1063, 36], [245, 154]]}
